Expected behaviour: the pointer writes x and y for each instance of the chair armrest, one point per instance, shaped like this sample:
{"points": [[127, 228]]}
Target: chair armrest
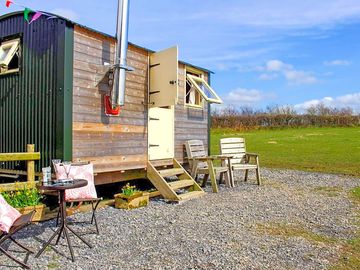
{"points": [[222, 157], [212, 157], [202, 158]]}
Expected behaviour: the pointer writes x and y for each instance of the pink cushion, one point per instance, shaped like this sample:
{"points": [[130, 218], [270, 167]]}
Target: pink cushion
{"points": [[8, 215], [79, 172]]}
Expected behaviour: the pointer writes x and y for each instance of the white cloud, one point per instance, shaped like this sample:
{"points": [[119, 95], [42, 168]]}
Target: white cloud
{"points": [[66, 13], [349, 100], [337, 63], [243, 96], [268, 76], [276, 67], [299, 77]]}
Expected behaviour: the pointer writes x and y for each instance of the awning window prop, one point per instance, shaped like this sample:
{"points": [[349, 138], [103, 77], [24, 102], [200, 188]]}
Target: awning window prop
{"points": [[8, 50], [204, 89]]}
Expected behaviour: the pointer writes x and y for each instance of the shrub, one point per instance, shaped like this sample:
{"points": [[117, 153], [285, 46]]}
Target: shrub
{"points": [[22, 197]]}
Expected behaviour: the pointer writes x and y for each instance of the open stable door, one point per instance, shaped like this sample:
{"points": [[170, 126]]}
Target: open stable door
{"points": [[163, 90], [161, 133]]}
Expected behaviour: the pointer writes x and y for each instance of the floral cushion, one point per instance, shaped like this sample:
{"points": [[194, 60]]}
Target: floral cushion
{"points": [[79, 172], [8, 215]]}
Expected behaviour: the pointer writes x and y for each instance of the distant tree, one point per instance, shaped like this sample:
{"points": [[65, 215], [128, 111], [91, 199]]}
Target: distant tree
{"points": [[281, 109]]}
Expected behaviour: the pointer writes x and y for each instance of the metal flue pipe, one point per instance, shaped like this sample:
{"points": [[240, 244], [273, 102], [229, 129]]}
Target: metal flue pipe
{"points": [[120, 68]]}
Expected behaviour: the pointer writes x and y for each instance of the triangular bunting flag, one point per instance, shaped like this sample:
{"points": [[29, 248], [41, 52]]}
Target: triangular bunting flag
{"points": [[8, 3], [36, 16], [27, 11]]}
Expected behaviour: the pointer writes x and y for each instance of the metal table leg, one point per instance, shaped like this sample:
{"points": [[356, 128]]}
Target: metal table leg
{"points": [[64, 227]]}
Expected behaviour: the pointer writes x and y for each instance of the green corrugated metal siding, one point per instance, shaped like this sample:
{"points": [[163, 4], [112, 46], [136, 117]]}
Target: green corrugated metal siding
{"points": [[32, 102]]}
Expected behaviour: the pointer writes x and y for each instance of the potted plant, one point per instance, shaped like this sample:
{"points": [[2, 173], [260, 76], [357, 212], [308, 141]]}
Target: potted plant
{"points": [[26, 199], [130, 198]]}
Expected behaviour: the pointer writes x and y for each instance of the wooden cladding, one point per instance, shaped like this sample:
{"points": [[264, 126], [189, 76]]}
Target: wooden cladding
{"points": [[121, 143], [111, 143]]}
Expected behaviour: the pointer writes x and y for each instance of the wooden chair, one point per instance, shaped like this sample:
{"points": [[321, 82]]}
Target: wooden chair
{"points": [[75, 203], [19, 224], [200, 163], [241, 160]]}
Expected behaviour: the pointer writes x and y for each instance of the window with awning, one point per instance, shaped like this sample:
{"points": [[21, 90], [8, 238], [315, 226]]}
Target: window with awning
{"points": [[9, 56], [199, 87]]}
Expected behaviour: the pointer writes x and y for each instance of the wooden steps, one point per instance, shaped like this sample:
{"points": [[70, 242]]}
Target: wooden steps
{"points": [[169, 189], [191, 195], [171, 172]]}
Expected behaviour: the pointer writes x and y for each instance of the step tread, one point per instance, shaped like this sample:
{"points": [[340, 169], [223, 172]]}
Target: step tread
{"points": [[181, 184], [171, 172], [191, 195]]}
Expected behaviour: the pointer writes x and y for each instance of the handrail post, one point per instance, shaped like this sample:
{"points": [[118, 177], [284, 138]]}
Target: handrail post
{"points": [[30, 164]]}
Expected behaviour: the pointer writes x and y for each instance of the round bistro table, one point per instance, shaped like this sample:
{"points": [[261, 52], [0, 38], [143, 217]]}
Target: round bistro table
{"points": [[64, 227]]}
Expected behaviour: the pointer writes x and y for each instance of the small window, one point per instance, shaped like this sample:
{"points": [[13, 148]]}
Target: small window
{"points": [[192, 97], [203, 89], [9, 56]]}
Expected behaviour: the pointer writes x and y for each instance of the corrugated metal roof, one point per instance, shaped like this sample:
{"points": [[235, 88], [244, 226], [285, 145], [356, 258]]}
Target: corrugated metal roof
{"points": [[101, 33]]}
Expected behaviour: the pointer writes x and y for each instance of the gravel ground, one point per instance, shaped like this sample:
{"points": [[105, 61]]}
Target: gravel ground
{"points": [[233, 229]]}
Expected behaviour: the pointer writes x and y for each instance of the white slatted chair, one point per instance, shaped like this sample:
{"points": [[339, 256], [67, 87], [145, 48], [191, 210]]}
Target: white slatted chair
{"points": [[200, 163], [241, 160]]}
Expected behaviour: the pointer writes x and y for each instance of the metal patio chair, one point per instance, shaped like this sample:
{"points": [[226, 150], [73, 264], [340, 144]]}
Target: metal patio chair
{"points": [[94, 200], [20, 223]]}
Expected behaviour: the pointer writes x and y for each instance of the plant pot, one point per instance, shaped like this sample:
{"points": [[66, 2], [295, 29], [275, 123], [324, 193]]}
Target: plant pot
{"points": [[39, 211], [136, 200]]}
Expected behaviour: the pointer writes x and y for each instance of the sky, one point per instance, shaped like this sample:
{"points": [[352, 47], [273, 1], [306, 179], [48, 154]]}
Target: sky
{"points": [[263, 53]]}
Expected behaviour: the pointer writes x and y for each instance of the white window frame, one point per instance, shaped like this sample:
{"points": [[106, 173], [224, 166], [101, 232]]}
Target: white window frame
{"points": [[195, 80], [14, 45]]}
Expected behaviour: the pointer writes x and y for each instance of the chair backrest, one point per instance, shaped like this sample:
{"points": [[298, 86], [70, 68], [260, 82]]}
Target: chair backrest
{"points": [[195, 148], [235, 147], [79, 171]]}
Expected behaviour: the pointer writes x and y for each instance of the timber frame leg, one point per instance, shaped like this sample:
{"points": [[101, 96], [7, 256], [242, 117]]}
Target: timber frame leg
{"points": [[205, 179], [246, 175], [258, 176], [221, 178], [212, 176]]}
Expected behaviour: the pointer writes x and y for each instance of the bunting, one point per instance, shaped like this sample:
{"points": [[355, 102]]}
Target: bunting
{"points": [[30, 15]]}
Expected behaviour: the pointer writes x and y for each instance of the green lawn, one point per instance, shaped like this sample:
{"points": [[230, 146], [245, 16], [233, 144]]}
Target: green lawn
{"points": [[333, 150]]}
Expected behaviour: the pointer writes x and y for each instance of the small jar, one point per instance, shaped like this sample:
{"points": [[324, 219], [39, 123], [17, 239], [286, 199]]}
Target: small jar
{"points": [[46, 174]]}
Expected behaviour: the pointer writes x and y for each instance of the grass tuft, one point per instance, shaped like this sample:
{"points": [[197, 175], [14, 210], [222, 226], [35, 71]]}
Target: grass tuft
{"points": [[329, 191], [293, 230]]}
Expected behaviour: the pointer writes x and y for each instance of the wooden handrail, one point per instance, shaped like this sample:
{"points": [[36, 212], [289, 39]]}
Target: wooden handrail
{"points": [[30, 156], [19, 156]]}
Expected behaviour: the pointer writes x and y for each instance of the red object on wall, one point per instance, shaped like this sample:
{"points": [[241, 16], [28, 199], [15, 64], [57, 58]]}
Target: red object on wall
{"points": [[109, 110]]}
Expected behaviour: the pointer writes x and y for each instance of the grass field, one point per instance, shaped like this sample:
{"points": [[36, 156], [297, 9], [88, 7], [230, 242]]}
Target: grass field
{"points": [[332, 150]]}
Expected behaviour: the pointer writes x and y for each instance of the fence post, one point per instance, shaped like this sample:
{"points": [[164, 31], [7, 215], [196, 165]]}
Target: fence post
{"points": [[30, 164]]}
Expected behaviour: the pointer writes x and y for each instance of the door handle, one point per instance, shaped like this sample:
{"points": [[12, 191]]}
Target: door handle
{"points": [[154, 145], [173, 82]]}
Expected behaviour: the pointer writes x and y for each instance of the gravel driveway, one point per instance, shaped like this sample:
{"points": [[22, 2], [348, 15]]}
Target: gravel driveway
{"points": [[296, 220]]}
